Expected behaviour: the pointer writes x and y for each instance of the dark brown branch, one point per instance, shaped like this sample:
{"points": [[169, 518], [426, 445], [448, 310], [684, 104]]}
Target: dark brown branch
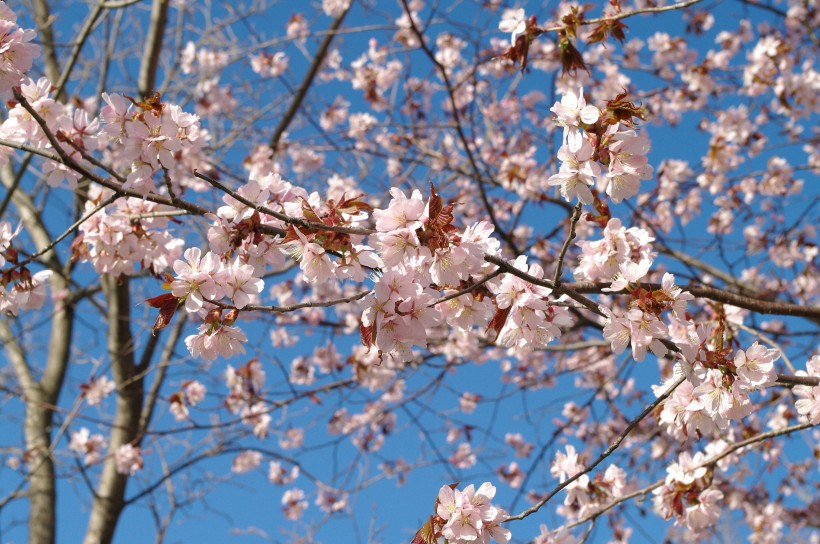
{"points": [[606, 453], [576, 215], [709, 462], [508, 239], [719, 295], [313, 69]]}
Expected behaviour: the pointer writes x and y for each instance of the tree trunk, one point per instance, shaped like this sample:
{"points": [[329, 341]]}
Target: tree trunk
{"points": [[110, 500], [42, 498]]}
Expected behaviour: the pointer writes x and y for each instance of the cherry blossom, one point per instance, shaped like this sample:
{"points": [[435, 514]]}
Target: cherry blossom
{"points": [[16, 53], [90, 445], [570, 112], [279, 476], [469, 516], [246, 461], [316, 266], [577, 172], [129, 459], [331, 501], [514, 22], [755, 366], [98, 389], [198, 279], [225, 341], [294, 503], [808, 403]]}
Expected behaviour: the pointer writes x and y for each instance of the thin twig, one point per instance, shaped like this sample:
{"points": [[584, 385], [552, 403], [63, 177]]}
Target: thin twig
{"points": [[313, 69], [576, 215], [612, 447]]}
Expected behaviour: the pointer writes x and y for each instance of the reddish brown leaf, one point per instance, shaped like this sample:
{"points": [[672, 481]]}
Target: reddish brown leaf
{"points": [[11, 255], [498, 320], [571, 58], [309, 212], [445, 216], [425, 535], [230, 317], [621, 110], [368, 334], [161, 300], [605, 29], [166, 312], [353, 205], [434, 205]]}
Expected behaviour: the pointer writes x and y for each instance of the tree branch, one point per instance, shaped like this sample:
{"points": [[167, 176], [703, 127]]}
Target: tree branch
{"points": [[313, 69], [612, 447]]}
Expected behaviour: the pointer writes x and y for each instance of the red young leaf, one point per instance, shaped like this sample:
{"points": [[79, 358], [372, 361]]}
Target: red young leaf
{"points": [[425, 535], [571, 58], [498, 320], [166, 312], [309, 212], [368, 334], [445, 216], [434, 205], [161, 300]]}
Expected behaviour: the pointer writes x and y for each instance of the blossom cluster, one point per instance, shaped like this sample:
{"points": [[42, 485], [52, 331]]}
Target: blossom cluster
{"points": [[75, 125], [191, 393], [16, 51], [532, 322], [717, 387], [420, 247], [151, 137], [245, 398], [622, 253], [128, 459], [688, 494], [587, 147], [23, 291], [585, 495], [467, 516], [124, 239], [641, 327], [808, 403], [87, 444]]}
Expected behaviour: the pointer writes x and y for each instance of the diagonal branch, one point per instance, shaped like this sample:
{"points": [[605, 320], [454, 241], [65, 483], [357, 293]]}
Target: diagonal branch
{"points": [[313, 69], [606, 453], [707, 463]]}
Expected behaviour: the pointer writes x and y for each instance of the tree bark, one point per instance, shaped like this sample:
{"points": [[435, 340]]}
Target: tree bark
{"points": [[42, 496], [110, 500]]}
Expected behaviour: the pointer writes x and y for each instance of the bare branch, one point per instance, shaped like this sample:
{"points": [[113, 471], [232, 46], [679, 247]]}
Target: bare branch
{"points": [[606, 453], [310, 75]]}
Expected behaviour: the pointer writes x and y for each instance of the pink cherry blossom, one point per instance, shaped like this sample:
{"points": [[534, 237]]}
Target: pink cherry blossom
{"points": [[246, 461], [198, 279], [129, 459], [294, 503], [98, 389], [570, 112], [577, 173], [90, 445], [755, 366], [514, 22], [401, 213], [279, 476]]}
